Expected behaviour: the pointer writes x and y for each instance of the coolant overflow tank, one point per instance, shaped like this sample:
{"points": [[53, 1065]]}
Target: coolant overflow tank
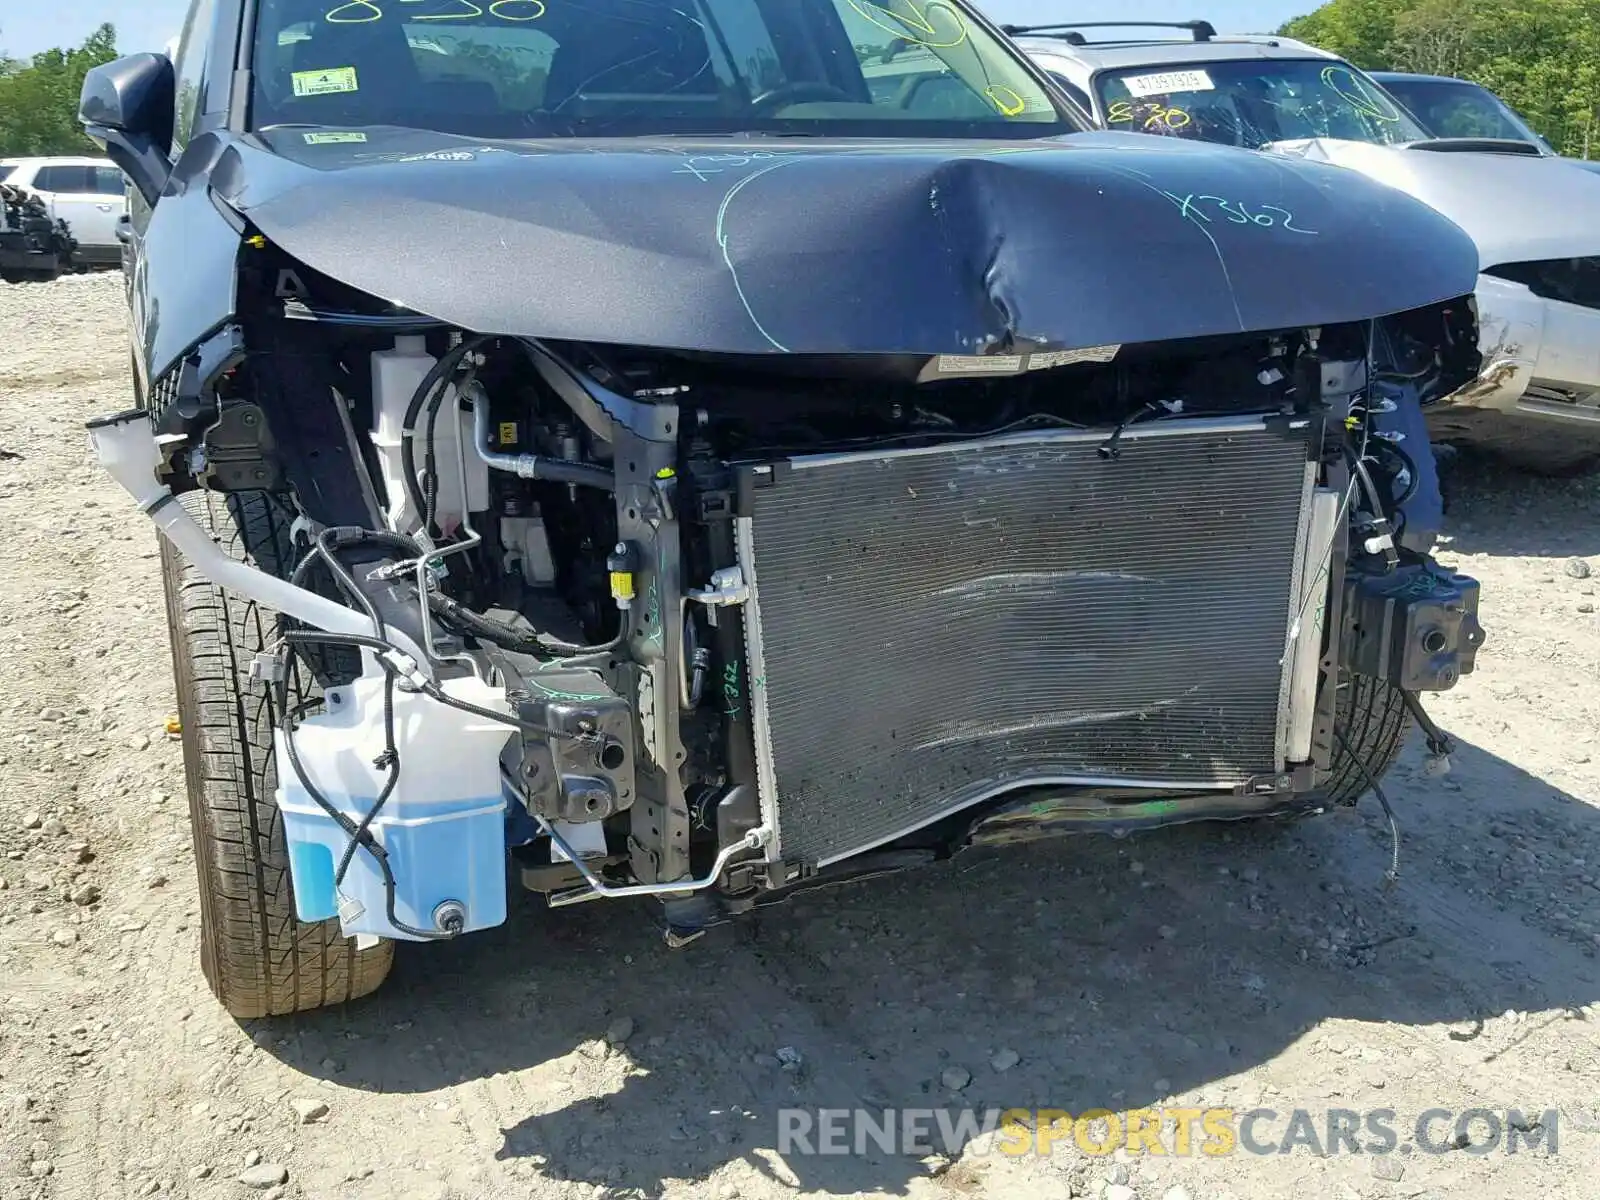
{"points": [[442, 828]]}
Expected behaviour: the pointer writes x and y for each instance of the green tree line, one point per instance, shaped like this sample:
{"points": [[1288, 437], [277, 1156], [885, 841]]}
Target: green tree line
{"points": [[39, 97], [1541, 56]]}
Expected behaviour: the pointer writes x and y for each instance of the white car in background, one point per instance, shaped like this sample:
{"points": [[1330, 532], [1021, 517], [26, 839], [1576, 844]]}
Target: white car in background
{"points": [[1535, 218], [89, 194]]}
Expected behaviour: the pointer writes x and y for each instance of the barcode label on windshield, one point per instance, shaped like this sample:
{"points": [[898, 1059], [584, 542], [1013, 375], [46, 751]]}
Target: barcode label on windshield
{"points": [[1167, 82]]}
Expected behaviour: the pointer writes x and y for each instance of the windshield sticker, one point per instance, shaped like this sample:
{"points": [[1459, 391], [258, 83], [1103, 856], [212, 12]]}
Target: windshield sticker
{"points": [[327, 82], [979, 364], [1199, 208], [1150, 115], [1168, 81], [334, 139], [914, 21], [1065, 358], [364, 12], [1360, 94], [1008, 102]]}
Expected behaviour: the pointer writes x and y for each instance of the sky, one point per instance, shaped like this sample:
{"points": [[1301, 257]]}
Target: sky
{"points": [[27, 27]]}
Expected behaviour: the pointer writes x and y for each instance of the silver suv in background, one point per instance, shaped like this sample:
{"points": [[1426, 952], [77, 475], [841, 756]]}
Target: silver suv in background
{"points": [[1448, 107], [1534, 218], [89, 194]]}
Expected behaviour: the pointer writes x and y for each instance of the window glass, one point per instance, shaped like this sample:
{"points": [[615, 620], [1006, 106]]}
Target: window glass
{"points": [[1255, 102], [1079, 96], [65, 181], [190, 68], [1460, 110], [5, 172], [108, 181], [550, 68]]}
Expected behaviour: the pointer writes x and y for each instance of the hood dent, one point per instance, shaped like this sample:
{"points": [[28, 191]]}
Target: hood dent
{"points": [[938, 248]]}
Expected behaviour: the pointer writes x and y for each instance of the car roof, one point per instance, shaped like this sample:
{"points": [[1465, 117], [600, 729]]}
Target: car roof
{"points": [[1099, 56]]}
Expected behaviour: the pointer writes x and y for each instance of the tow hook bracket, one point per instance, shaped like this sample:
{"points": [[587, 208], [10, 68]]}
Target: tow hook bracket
{"points": [[239, 451]]}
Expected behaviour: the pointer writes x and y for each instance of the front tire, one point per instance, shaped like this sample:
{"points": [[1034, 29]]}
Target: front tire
{"points": [[1374, 721], [258, 958]]}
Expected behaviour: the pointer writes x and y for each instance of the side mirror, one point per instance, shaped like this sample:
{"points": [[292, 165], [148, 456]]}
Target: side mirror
{"points": [[129, 107]]}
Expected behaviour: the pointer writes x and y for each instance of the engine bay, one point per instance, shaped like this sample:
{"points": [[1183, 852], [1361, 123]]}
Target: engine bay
{"points": [[549, 542]]}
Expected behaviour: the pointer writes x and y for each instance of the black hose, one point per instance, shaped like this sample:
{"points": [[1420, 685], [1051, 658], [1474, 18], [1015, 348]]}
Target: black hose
{"points": [[1368, 487], [1393, 874], [572, 650], [360, 835], [345, 580], [427, 687], [440, 371], [559, 470], [1410, 465], [509, 637], [1439, 742], [389, 760], [487, 629]]}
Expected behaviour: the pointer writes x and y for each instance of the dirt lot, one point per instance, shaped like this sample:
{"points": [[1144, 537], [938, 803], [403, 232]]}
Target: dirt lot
{"points": [[572, 1055]]}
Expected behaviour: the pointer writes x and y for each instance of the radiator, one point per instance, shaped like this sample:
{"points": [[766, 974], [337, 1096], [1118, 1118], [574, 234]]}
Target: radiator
{"points": [[930, 628]]}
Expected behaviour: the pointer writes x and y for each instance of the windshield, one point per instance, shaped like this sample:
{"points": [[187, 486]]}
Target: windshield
{"points": [[543, 68], [1461, 109], [1254, 103]]}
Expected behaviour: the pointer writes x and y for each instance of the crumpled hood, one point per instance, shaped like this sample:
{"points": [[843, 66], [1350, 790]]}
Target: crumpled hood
{"points": [[1516, 208], [798, 246]]}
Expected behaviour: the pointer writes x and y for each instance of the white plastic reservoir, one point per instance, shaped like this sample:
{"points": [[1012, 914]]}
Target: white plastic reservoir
{"points": [[443, 827], [396, 376]]}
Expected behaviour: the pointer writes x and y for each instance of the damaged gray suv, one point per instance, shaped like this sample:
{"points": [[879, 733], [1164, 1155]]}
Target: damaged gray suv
{"points": [[703, 450]]}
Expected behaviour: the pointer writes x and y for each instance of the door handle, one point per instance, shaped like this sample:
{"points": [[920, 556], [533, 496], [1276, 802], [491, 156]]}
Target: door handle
{"points": [[103, 207]]}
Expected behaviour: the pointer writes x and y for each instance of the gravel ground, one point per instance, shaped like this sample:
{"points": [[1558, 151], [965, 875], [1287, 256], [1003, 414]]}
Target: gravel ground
{"points": [[572, 1055]]}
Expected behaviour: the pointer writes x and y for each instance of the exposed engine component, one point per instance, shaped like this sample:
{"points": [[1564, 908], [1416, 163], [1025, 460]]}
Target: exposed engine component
{"points": [[692, 626], [1416, 627]]}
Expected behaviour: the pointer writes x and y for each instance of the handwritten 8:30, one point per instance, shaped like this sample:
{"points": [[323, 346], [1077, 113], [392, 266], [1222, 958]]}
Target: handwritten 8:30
{"points": [[1124, 112], [362, 12]]}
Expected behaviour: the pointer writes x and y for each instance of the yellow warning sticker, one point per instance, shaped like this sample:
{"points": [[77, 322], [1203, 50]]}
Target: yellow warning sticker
{"points": [[333, 139], [326, 82], [508, 433]]}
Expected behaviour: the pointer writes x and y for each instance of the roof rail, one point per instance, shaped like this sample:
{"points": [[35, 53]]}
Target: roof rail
{"points": [[1202, 31]]}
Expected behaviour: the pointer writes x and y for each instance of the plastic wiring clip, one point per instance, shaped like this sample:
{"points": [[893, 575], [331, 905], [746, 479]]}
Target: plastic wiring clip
{"points": [[1380, 540], [268, 669], [406, 667], [665, 488]]}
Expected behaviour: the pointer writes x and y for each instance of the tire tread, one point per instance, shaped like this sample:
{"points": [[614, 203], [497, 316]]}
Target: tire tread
{"points": [[259, 959]]}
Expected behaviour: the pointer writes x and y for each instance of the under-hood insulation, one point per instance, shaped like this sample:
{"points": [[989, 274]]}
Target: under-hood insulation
{"points": [[846, 247]]}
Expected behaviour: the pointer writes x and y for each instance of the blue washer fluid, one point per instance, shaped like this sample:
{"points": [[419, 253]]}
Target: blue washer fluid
{"points": [[443, 827]]}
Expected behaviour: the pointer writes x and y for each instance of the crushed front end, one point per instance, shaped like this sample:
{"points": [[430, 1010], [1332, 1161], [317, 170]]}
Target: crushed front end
{"points": [[709, 626]]}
